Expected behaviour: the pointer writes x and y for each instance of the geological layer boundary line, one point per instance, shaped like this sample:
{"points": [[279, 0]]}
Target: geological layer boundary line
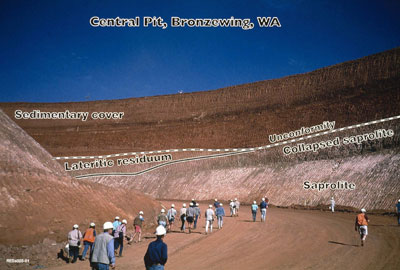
{"points": [[239, 152], [233, 149]]}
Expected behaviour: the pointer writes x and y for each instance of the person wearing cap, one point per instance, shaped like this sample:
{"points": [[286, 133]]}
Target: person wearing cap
{"points": [[74, 240], [361, 225], [171, 216], [190, 213], [103, 256], [220, 213], [119, 236], [88, 240], [398, 212], [263, 209], [332, 205], [254, 208], [138, 223], [162, 218], [157, 252], [209, 215], [237, 204], [197, 215], [182, 214], [232, 207], [216, 203]]}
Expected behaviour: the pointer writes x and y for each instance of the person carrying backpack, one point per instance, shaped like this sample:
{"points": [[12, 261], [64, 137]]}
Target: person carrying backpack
{"points": [[119, 236], [254, 208], [361, 225]]}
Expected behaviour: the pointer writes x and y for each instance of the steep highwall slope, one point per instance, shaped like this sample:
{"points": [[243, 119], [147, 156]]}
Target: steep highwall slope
{"points": [[239, 116], [350, 93], [39, 200], [374, 168]]}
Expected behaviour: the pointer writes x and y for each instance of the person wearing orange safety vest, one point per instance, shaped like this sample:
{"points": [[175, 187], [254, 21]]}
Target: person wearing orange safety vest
{"points": [[88, 240], [361, 225]]}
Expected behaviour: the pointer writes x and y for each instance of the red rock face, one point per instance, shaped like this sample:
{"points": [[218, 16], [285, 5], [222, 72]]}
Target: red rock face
{"points": [[39, 200], [244, 116]]}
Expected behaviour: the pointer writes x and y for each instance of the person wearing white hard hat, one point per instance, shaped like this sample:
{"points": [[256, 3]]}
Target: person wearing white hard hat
{"points": [[162, 218], [88, 239], [190, 213], [237, 204], [171, 216], [263, 209], [197, 215], [209, 215], [220, 213], [116, 223], [232, 207], [119, 235], [103, 249], [182, 215], [74, 241], [157, 252], [138, 223], [332, 205], [361, 225], [216, 203], [254, 208], [398, 212]]}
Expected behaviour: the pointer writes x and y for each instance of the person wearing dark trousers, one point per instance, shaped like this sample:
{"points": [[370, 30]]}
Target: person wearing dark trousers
{"points": [[183, 217], [74, 240], [119, 236]]}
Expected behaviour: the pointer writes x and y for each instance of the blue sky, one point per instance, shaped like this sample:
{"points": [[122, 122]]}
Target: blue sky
{"points": [[50, 53]]}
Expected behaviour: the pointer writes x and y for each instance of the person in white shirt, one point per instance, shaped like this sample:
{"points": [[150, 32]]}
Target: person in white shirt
{"points": [[232, 207], [237, 204], [182, 213], [171, 217], [209, 215]]}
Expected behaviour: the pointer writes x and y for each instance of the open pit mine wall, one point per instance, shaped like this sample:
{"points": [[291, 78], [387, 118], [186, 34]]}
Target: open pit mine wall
{"points": [[40, 200], [239, 116], [374, 166]]}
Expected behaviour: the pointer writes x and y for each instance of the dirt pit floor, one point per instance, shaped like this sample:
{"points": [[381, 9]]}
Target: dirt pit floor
{"points": [[289, 239]]}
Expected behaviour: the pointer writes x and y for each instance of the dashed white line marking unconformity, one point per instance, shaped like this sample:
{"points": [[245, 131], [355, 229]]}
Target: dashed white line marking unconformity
{"points": [[251, 149]]}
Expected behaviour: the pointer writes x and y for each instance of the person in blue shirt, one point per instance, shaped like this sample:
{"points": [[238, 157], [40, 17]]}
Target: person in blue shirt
{"points": [[157, 252], [116, 223], [216, 204], [263, 209], [220, 212], [254, 208], [398, 212]]}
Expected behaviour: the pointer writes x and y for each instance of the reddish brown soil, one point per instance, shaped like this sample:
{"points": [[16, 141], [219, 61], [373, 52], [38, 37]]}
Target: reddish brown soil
{"points": [[290, 239], [239, 116], [39, 200]]}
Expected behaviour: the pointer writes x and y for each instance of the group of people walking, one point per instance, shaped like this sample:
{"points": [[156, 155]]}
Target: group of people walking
{"points": [[263, 205], [102, 248], [189, 216]]}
